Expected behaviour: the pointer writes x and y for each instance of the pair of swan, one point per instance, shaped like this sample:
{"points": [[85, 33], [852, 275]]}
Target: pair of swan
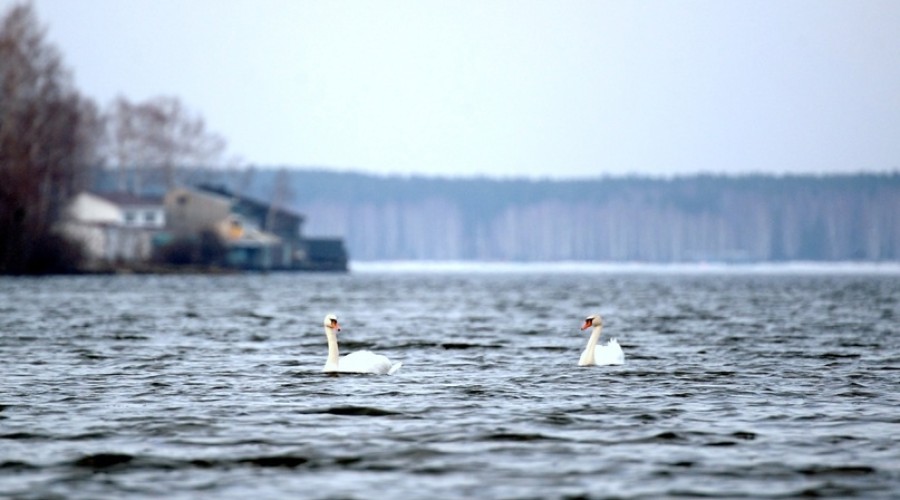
{"points": [[369, 362]]}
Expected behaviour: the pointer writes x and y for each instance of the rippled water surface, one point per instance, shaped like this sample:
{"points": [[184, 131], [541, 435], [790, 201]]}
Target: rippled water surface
{"points": [[753, 385]]}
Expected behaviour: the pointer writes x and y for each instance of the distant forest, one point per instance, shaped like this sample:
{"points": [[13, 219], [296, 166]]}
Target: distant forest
{"points": [[702, 218]]}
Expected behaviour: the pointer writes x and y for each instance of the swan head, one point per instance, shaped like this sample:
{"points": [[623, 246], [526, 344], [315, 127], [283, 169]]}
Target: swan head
{"points": [[594, 320], [331, 322]]}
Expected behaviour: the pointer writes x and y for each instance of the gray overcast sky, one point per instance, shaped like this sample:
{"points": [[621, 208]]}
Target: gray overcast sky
{"points": [[510, 88]]}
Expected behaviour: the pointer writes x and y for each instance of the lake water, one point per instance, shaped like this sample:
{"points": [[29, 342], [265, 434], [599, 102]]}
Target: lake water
{"points": [[747, 384]]}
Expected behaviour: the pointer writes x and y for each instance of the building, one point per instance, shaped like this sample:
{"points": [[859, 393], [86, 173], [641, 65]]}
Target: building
{"points": [[139, 211], [255, 235], [114, 229]]}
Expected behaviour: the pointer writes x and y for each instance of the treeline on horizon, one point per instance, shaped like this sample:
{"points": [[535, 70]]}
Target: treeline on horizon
{"points": [[699, 218]]}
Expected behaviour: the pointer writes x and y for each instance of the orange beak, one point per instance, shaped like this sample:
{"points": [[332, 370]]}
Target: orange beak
{"points": [[587, 324], [335, 325]]}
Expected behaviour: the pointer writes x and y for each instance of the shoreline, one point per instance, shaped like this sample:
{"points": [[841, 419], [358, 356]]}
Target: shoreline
{"points": [[490, 267], [564, 267]]}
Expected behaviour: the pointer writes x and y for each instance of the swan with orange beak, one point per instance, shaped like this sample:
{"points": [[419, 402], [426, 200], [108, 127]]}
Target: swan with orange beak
{"points": [[600, 355], [355, 362]]}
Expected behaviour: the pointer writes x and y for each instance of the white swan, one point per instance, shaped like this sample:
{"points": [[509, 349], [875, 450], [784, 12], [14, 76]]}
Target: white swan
{"points": [[609, 354], [355, 362]]}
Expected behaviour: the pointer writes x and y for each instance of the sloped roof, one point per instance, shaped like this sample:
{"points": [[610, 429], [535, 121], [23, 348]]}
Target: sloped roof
{"points": [[254, 238], [123, 199], [252, 202]]}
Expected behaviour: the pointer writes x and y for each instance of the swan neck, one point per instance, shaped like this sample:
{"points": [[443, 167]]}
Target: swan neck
{"points": [[587, 357], [595, 337], [333, 353]]}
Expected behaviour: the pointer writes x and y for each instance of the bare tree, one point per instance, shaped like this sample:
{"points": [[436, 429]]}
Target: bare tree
{"points": [[282, 196], [152, 140], [46, 145]]}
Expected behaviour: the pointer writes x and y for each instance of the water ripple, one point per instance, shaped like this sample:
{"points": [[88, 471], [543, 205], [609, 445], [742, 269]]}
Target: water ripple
{"points": [[749, 386]]}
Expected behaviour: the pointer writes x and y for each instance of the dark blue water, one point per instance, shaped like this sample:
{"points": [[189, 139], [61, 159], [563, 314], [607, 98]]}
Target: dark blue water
{"points": [[736, 385]]}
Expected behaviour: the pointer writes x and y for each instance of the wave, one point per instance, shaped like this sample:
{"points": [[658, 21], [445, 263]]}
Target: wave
{"points": [[360, 411]]}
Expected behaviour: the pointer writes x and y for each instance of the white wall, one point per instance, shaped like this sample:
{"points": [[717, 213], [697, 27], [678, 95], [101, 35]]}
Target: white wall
{"points": [[88, 208]]}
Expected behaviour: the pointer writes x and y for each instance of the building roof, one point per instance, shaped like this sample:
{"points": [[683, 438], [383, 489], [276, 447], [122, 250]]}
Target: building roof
{"points": [[248, 201], [124, 199]]}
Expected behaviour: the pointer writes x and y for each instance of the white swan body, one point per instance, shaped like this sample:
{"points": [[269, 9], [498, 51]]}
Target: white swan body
{"points": [[599, 355], [355, 362]]}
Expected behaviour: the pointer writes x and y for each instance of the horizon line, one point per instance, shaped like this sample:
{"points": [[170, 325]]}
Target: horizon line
{"points": [[548, 178]]}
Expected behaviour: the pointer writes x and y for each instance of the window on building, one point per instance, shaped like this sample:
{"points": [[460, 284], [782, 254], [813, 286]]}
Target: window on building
{"points": [[149, 216], [130, 217]]}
